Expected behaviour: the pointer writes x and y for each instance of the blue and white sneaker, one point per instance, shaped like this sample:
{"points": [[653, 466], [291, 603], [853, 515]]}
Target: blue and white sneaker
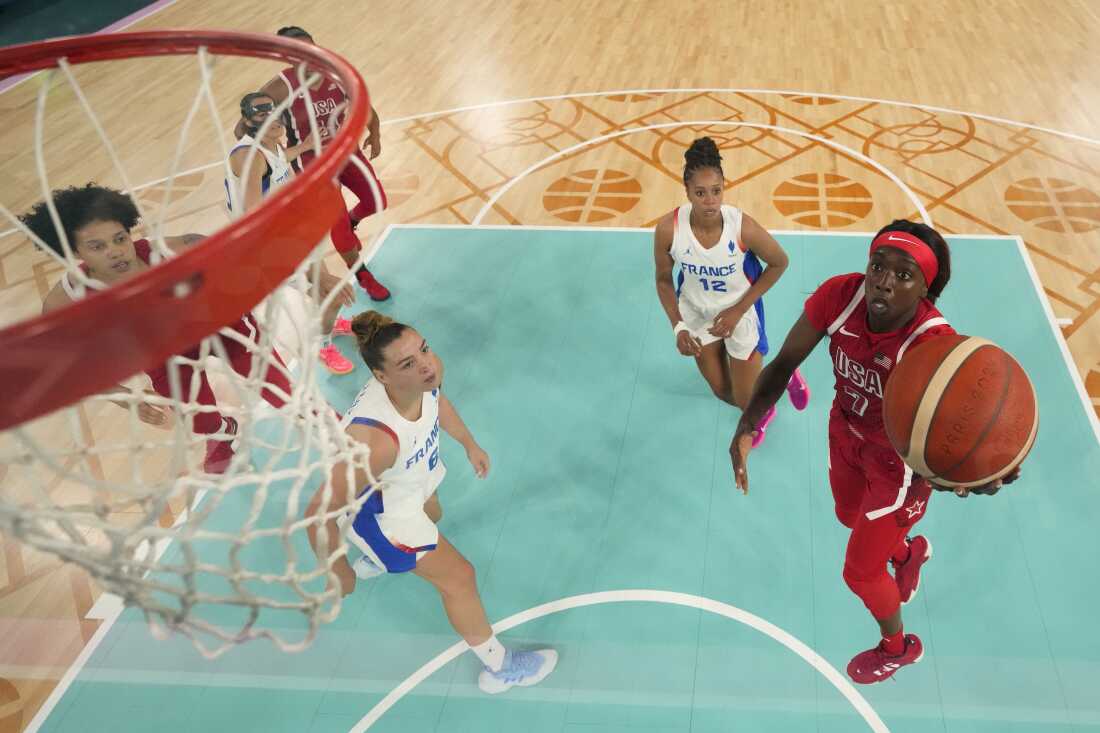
{"points": [[365, 568], [519, 668]]}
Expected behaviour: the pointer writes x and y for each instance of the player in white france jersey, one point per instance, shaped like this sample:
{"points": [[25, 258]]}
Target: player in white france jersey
{"points": [[399, 415], [715, 306], [247, 185]]}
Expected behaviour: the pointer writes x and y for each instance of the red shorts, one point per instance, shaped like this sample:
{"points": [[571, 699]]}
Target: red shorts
{"points": [[879, 499], [871, 480], [240, 359], [357, 179]]}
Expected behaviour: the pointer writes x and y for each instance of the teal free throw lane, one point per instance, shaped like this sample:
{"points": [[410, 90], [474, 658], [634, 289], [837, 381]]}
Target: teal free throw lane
{"points": [[609, 471]]}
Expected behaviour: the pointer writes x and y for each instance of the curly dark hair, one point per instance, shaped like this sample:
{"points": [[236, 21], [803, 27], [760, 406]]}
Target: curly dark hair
{"points": [[703, 153], [78, 206], [293, 31], [933, 239]]}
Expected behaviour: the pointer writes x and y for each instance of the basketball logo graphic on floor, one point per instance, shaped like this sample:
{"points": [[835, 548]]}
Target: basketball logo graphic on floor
{"points": [[1054, 204], [823, 200], [592, 195]]}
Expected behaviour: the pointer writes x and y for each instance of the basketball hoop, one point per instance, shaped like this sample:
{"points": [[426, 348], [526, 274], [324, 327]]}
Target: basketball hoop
{"points": [[187, 298], [256, 561]]}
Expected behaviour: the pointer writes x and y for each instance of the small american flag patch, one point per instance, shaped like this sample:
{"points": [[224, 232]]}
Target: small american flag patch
{"points": [[883, 361]]}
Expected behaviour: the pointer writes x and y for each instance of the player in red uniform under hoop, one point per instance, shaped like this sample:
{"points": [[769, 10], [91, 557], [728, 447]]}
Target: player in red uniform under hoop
{"points": [[97, 223], [871, 319], [326, 96]]}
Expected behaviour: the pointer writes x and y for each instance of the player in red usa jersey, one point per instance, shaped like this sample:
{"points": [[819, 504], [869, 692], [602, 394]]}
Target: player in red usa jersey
{"points": [[326, 98], [871, 320], [97, 223]]}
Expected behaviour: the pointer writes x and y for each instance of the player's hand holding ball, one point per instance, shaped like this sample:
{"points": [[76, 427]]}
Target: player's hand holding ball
{"points": [[962, 412], [985, 490]]}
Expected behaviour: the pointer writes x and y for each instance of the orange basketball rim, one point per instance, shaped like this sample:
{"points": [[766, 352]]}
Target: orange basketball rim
{"points": [[67, 354]]}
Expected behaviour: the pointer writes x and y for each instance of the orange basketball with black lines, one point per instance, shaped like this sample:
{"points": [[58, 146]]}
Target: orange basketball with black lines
{"points": [[960, 411]]}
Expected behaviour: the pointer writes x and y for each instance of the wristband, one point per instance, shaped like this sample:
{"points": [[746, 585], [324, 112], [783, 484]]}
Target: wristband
{"points": [[680, 326]]}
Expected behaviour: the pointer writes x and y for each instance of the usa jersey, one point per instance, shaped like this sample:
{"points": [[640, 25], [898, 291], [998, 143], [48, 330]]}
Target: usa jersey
{"points": [[328, 101], [418, 469], [862, 359]]}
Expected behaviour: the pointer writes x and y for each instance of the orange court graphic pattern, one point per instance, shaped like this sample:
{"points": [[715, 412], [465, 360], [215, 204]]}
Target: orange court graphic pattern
{"points": [[624, 168]]}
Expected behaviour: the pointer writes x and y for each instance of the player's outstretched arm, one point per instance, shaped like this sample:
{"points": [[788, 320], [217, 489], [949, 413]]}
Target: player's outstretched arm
{"points": [[453, 425], [800, 342], [374, 134], [295, 151]]}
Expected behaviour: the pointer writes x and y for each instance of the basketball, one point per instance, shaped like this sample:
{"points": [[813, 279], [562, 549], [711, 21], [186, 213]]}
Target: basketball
{"points": [[960, 411]]}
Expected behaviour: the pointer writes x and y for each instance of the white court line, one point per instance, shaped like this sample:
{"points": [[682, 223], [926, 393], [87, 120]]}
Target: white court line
{"points": [[709, 123], [811, 657], [735, 90], [1086, 401], [111, 611], [692, 90], [592, 228]]}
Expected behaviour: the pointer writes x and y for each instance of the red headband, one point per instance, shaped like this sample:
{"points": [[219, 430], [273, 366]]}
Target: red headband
{"points": [[915, 248]]}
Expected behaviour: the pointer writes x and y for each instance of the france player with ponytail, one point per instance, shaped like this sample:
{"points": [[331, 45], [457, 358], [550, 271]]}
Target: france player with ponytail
{"points": [[726, 263]]}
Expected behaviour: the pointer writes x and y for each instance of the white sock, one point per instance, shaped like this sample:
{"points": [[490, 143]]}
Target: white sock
{"points": [[490, 652], [326, 341]]}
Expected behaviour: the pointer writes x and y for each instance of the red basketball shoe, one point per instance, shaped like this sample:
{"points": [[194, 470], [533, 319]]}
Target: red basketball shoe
{"points": [[907, 574], [376, 290], [875, 665]]}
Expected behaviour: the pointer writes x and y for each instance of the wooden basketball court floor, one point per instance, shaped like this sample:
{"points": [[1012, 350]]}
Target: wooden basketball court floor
{"points": [[831, 116]]}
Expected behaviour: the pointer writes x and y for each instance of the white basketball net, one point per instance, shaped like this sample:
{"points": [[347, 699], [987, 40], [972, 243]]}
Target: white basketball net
{"points": [[225, 557]]}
